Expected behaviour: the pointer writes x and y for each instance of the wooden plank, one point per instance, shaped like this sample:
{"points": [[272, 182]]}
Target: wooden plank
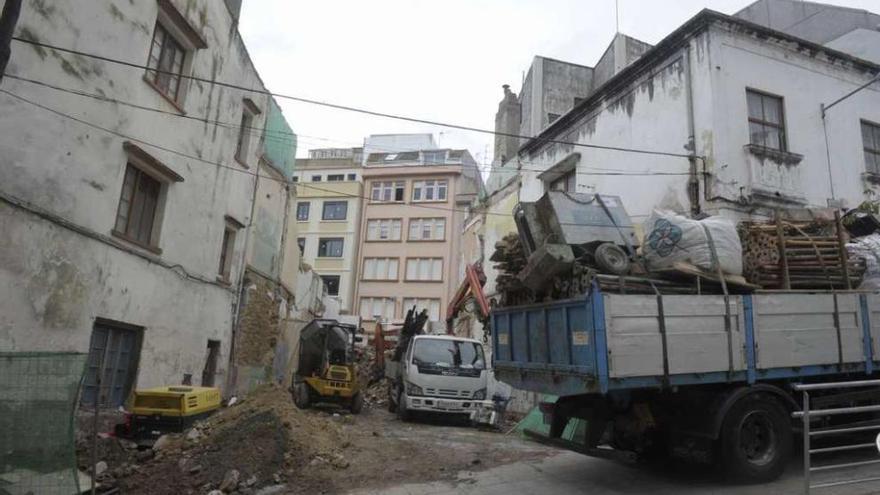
{"points": [[783, 256]]}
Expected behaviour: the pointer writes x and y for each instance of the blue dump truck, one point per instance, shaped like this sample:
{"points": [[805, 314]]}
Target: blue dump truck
{"points": [[705, 377]]}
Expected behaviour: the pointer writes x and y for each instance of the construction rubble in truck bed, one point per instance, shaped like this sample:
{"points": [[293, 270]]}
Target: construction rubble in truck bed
{"points": [[797, 250]]}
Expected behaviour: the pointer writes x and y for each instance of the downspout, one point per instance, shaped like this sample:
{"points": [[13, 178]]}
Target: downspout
{"points": [[693, 186], [231, 376]]}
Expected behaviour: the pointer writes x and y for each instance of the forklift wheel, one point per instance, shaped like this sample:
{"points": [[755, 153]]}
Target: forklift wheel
{"points": [[301, 395], [357, 403]]}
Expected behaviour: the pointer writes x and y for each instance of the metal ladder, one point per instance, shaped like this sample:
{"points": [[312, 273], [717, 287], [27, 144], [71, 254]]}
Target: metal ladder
{"points": [[806, 414]]}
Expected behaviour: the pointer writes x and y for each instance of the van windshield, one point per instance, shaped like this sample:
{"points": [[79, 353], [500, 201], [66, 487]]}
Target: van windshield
{"points": [[449, 354]]}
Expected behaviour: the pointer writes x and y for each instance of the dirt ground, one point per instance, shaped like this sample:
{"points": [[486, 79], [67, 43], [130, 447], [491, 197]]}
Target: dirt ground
{"points": [[264, 445]]}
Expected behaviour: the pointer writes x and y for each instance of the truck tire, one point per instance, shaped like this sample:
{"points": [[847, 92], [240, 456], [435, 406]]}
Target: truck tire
{"points": [[403, 413], [392, 399], [756, 440], [301, 395], [357, 403], [611, 258]]}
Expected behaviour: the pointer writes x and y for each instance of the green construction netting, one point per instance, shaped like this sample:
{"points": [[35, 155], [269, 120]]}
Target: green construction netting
{"points": [[534, 421], [38, 394]]}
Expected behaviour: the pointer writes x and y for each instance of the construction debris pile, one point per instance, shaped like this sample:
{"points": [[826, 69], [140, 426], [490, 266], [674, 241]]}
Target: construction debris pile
{"points": [[799, 255], [510, 259], [220, 455], [568, 243]]}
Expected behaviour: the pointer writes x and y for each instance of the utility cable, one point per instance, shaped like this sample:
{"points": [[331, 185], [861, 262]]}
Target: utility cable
{"points": [[254, 132], [234, 169], [348, 107]]}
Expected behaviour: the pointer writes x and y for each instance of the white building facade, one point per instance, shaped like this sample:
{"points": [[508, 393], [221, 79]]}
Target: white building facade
{"points": [[723, 116], [126, 228]]}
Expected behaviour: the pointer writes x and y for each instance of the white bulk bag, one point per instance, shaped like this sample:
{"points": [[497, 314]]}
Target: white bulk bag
{"points": [[670, 238]]}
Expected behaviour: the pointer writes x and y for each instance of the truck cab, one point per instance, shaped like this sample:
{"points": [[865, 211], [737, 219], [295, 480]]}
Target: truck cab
{"points": [[440, 374]]}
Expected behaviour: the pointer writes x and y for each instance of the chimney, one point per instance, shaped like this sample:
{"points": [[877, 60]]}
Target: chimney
{"points": [[507, 121], [234, 7]]}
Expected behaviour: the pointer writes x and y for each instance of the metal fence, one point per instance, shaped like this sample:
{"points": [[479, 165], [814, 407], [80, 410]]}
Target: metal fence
{"points": [[38, 394], [807, 415]]}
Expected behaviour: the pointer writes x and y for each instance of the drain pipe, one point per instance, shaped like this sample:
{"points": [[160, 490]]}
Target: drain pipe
{"points": [[693, 186]]}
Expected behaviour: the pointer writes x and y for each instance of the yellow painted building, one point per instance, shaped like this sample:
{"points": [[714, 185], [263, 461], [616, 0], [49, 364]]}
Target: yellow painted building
{"points": [[327, 213]]}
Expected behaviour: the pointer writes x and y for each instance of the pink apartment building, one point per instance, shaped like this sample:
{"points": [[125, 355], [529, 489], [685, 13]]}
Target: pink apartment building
{"points": [[410, 232]]}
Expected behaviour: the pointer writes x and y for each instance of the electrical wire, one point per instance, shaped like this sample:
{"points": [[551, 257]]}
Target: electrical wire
{"points": [[347, 107], [234, 169], [254, 132]]}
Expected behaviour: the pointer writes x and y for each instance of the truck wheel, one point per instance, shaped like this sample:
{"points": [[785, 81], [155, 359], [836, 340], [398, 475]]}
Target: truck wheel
{"points": [[301, 395], [391, 399], [357, 403], [756, 440], [403, 413], [611, 258]]}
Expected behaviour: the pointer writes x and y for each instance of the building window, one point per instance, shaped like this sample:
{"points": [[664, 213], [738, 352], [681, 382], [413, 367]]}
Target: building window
{"points": [[387, 191], [136, 217], [429, 190], [871, 142], [242, 146], [384, 229], [766, 121], [566, 182], [331, 282], [302, 211], [334, 210], [113, 352], [432, 305], [301, 244], [435, 157], [330, 247], [335, 177], [294, 178], [166, 55], [424, 269], [352, 176], [316, 178], [227, 248], [372, 307], [427, 229], [380, 269]]}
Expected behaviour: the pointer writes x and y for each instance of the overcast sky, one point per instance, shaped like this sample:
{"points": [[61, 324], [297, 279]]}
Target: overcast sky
{"points": [[442, 60]]}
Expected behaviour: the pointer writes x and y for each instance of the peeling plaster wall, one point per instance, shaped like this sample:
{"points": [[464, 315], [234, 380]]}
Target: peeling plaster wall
{"points": [[56, 281], [651, 112], [805, 80]]}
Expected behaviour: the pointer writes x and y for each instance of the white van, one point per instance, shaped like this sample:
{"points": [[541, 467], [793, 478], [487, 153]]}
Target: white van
{"points": [[440, 374]]}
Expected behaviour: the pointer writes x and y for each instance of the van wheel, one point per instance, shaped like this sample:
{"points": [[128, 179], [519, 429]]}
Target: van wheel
{"points": [[403, 413], [391, 399], [756, 440]]}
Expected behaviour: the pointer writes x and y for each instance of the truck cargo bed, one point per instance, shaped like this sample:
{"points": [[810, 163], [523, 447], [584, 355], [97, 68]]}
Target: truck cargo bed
{"points": [[604, 342]]}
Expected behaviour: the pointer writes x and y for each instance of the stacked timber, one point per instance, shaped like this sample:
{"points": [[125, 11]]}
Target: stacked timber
{"points": [[798, 255], [510, 259]]}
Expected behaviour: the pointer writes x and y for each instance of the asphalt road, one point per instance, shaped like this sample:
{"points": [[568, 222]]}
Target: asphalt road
{"points": [[568, 472]]}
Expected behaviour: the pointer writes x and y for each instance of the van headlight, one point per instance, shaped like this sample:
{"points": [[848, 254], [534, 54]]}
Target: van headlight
{"points": [[412, 389], [480, 394]]}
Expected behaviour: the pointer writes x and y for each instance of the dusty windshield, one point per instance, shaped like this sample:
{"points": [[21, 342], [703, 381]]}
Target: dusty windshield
{"points": [[449, 354]]}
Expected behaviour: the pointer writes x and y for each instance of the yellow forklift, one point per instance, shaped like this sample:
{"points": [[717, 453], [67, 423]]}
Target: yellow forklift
{"points": [[327, 372]]}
